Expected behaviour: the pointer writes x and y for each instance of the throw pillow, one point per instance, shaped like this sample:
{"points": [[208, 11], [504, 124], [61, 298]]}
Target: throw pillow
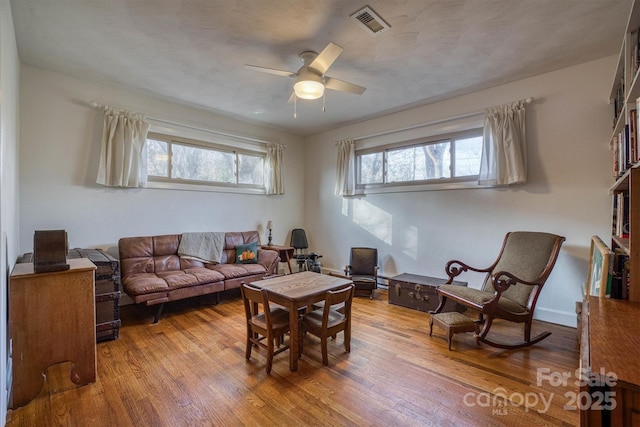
{"points": [[247, 254]]}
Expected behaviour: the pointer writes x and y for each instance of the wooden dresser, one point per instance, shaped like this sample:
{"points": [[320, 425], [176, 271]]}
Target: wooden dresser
{"points": [[609, 355], [51, 320], [107, 291]]}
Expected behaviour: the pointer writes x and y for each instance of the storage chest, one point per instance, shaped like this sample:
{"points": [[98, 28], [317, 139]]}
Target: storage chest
{"points": [[419, 292], [107, 289]]}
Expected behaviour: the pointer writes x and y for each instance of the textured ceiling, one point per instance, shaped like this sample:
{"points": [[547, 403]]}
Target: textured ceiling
{"points": [[194, 51]]}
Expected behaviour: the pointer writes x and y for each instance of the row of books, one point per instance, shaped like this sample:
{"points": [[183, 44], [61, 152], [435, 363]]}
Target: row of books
{"points": [[618, 103], [634, 62], [625, 144], [620, 217], [623, 151], [619, 287]]}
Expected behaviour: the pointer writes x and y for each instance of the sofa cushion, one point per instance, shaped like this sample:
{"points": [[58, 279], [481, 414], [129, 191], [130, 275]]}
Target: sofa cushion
{"points": [[143, 283], [255, 268], [205, 275], [178, 279], [247, 254], [230, 271]]}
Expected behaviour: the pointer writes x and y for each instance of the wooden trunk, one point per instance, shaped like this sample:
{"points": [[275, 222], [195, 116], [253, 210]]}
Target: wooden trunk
{"points": [[419, 292], [107, 291]]}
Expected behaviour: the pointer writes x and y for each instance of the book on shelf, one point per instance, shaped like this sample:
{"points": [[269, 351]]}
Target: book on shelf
{"points": [[614, 216], [620, 218], [618, 102], [635, 52], [616, 164], [633, 136]]}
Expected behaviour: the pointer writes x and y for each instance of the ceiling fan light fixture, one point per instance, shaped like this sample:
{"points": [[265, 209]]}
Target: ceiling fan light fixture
{"points": [[309, 86]]}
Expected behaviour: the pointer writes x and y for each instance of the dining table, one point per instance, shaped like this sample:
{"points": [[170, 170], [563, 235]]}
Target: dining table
{"points": [[297, 290]]}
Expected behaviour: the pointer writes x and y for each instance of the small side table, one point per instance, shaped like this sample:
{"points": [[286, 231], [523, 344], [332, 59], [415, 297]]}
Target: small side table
{"points": [[453, 322], [285, 253]]}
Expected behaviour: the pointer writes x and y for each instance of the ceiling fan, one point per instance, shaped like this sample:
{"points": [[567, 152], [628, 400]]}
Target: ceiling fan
{"points": [[310, 79]]}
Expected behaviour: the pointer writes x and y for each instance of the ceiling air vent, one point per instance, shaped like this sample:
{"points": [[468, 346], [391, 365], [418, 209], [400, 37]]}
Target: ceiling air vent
{"points": [[370, 21]]}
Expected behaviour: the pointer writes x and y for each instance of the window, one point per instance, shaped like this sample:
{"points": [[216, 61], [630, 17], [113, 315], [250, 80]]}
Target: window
{"points": [[440, 159], [185, 161]]}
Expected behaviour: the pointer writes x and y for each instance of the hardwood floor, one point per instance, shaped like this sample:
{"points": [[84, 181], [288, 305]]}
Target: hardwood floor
{"points": [[190, 370]]}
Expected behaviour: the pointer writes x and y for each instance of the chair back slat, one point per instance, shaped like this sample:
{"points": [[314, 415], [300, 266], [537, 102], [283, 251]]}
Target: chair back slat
{"points": [[339, 296], [344, 295], [254, 298]]}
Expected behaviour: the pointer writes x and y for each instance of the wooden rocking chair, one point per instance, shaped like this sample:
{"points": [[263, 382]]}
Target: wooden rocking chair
{"points": [[512, 285]]}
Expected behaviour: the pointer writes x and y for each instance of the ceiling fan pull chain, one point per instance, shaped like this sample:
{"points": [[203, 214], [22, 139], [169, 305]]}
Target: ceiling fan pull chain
{"points": [[295, 105], [324, 97]]}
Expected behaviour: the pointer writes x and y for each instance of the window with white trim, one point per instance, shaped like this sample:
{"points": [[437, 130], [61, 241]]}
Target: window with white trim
{"points": [[438, 159], [178, 160]]}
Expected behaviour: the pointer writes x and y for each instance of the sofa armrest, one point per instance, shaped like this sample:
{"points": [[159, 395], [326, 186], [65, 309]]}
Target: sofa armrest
{"points": [[269, 259]]}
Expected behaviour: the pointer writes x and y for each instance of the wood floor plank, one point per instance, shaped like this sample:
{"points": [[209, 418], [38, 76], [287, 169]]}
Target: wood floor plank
{"points": [[190, 369]]}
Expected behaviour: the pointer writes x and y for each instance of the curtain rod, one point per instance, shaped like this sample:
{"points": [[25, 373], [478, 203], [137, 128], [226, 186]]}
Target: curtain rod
{"points": [[95, 104], [528, 100]]}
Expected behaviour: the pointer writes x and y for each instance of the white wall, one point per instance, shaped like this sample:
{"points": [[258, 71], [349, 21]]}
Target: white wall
{"points": [[59, 153], [9, 87], [569, 175], [568, 128]]}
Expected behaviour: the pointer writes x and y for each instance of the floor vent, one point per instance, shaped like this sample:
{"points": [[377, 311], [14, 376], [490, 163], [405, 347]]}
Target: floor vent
{"points": [[370, 21]]}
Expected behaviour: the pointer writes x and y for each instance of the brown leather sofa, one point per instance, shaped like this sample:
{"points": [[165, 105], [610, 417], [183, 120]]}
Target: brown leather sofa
{"points": [[152, 272]]}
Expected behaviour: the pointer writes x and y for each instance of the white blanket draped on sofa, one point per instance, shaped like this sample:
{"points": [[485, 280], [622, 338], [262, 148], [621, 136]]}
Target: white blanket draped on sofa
{"points": [[204, 246]]}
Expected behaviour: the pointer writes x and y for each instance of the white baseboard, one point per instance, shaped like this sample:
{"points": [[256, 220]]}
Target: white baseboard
{"points": [[556, 316]]}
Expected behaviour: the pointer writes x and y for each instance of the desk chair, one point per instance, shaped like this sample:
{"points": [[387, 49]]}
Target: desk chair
{"points": [[304, 259]]}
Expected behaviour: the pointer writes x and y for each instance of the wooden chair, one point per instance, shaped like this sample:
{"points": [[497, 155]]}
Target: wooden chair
{"points": [[268, 324], [363, 270], [328, 321], [512, 284]]}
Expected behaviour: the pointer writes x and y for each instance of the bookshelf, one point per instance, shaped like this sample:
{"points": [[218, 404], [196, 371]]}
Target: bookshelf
{"points": [[610, 340], [625, 143], [624, 242]]}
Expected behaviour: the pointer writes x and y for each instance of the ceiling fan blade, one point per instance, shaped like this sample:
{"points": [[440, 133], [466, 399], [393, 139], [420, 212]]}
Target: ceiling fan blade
{"points": [[335, 84], [270, 70], [292, 98], [327, 57]]}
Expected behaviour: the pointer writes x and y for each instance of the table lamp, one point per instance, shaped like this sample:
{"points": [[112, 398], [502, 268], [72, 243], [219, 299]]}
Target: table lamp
{"points": [[269, 227]]}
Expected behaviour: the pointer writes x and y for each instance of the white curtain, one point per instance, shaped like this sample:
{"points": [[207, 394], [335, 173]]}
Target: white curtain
{"points": [[504, 153], [274, 169], [346, 170], [123, 157]]}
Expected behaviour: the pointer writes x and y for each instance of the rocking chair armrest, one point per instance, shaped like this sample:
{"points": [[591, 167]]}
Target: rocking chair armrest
{"points": [[454, 270], [502, 280]]}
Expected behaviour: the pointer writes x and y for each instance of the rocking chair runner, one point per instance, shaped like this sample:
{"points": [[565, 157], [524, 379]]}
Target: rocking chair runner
{"points": [[512, 285]]}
